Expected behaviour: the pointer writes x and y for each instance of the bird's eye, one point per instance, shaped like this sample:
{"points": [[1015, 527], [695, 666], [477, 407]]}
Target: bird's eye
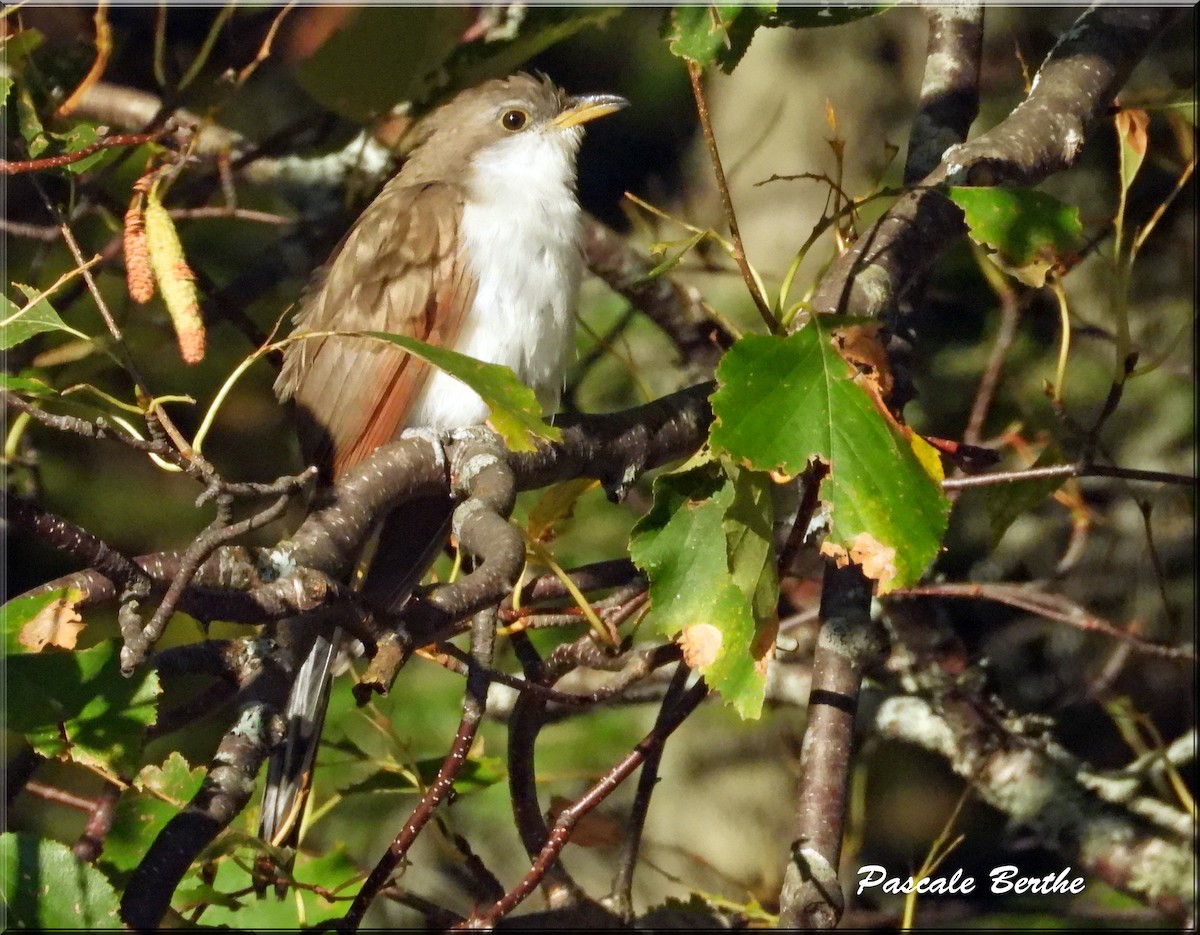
{"points": [[514, 120]]}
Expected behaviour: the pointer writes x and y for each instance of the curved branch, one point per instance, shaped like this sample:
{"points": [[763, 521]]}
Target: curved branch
{"points": [[1043, 135], [950, 88]]}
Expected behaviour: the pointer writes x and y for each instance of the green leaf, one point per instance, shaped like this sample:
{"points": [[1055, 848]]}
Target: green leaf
{"points": [[530, 31], [1027, 229], [714, 34], [159, 793], [672, 260], [555, 505], [16, 48], [476, 774], [79, 705], [26, 386], [516, 415], [17, 325], [29, 125], [233, 904], [45, 886], [80, 137], [782, 402], [706, 567]]}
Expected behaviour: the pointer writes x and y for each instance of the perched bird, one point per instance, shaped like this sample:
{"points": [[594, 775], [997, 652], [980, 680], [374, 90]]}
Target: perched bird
{"points": [[474, 246]]}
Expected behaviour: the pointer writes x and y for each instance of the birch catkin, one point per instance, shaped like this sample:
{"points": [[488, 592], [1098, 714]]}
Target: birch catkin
{"points": [[175, 279], [138, 273]]}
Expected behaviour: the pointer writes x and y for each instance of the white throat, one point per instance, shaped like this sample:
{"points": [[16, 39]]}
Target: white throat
{"points": [[521, 231]]}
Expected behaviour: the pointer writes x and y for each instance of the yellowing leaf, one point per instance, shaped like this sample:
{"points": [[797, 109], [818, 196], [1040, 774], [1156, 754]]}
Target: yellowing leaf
{"points": [[782, 402], [1132, 131], [56, 624]]}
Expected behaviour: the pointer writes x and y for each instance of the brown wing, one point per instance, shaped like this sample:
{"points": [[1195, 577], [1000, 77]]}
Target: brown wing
{"points": [[398, 270]]}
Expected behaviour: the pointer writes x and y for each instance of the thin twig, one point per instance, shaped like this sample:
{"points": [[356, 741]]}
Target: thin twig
{"points": [[666, 725], [695, 73], [1068, 470], [647, 780], [17, 167], [218, 533], [1052, 606], [474, 707]]}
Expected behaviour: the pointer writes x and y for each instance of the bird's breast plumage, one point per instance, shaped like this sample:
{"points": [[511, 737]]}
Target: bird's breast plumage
{"points": [[520, 229]]}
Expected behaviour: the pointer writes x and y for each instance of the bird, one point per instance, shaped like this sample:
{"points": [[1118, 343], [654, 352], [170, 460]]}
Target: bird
{"points": [[475, 245]]}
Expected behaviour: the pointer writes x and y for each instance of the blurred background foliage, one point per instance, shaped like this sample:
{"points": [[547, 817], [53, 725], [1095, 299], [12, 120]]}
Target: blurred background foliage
{"points": [[720, 826]]}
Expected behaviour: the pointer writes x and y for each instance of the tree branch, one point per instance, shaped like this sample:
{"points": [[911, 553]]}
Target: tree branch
{"points": [[1043, 135]]}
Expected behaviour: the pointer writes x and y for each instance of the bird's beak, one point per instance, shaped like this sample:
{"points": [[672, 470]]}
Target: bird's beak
{"points": [[585, 107]]}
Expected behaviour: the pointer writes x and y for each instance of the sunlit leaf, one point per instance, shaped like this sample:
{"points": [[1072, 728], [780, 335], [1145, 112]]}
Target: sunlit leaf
{"points": [[1028, 230], [17, 324], [516, 414], [79, 137], [57, 623], [711, 34], [25, 386], [47, 887], [19, 614], [782, 402], [79, 705], [705, 569], [158, 794]]}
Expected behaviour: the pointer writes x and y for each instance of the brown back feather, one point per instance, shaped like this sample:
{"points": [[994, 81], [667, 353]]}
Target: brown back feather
{"points": [[398, 270]]}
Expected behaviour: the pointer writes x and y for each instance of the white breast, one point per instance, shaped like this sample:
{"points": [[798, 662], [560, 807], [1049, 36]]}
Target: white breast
{"points": [[521, 228]]}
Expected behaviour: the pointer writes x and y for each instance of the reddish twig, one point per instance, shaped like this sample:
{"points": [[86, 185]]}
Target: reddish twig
{"points": [[474, 706], [9, 167], [1052, 607], [47, 793], [91, 842], [669, 719], [647, 780]]}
